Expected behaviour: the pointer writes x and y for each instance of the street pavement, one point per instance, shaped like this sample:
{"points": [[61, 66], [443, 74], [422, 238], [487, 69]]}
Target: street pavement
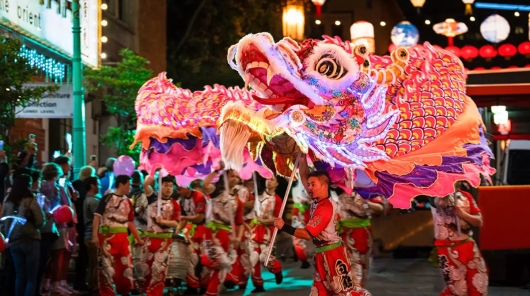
{"points": [[388, 277]]}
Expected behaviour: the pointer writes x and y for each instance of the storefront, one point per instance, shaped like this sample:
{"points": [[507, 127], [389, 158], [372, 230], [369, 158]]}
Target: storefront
{"points": [[45, 28]]}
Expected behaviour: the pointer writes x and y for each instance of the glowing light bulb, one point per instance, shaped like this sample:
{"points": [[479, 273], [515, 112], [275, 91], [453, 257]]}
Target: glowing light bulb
{"points": [[318, 22], [104, 6], [337, 23], [104, 23], [472, 18], [382, 24], [103, 55], [427, 22], [104, 39]]}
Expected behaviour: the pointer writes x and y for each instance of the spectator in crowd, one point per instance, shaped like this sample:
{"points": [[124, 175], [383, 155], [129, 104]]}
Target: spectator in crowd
{"points": [[4, 172], [24, 239], [107, 182], [90, 204], [82, 257]]}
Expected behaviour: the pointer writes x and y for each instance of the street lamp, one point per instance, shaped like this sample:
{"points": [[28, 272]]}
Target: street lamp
{"points": [[79, 129], [294, 21], [418, 4], [469, 3]]}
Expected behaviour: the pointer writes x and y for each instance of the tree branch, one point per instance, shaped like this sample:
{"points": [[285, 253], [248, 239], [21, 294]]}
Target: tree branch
{"points": [[190, 25]]}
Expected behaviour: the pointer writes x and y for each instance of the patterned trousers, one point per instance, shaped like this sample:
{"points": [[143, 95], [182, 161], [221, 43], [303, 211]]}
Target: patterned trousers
{"points": [[259, 246], [155, 256], [463, 268], [219, 257], [114, 264], [333, 275], [195, 277], [358, 242], [244, 265]]}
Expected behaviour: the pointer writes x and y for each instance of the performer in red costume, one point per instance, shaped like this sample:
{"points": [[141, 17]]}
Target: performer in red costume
{"points": [[155, 252], [267, 209], [223, 214], [356, 231], [193, 207], [300, 217], [332, 269], [112, 219], [243, 192], [463, 268]]}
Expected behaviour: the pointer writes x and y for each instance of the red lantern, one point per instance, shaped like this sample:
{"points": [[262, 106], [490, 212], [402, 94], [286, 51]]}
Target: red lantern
{"points": [[469, 52], [63, 214], [488, 52], [455, 50], [505, 128], [318, 4], [524, 48], [507, 51], [479, 69], [513, 67], [527, 66], [496, 68]]}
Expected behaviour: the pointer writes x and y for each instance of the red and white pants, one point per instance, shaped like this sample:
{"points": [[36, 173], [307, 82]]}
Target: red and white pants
{"points": [[463, 268], [333, 274], [219, 256], [299, 221], [244, 265], [115, 264], [155, 256], [195, 278], [358, 242], [259, 247]]}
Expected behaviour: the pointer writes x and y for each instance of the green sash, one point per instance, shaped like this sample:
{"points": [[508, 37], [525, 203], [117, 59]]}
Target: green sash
{"points": [[353, 223], [216, 226]]}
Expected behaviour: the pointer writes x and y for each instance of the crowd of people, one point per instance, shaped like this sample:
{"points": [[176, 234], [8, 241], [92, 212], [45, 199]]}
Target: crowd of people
{"points": [[123, 228]]}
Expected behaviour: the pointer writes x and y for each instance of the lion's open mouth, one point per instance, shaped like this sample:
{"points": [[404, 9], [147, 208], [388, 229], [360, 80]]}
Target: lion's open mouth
{"points": [[275, 89]]}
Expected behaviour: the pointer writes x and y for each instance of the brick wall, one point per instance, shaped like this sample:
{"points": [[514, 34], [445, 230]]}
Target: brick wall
{"points": [[151, 32], [26, 126]]}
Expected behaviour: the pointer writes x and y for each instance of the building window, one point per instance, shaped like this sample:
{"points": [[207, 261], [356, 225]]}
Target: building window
{"points": [[124, 11]]}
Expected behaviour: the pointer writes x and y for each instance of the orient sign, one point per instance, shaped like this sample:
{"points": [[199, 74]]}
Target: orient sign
{"points": [[49, 22]]}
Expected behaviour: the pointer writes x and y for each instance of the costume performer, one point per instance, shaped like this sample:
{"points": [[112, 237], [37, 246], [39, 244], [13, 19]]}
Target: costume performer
{"points": [[300, 217], [268, 207], [193, 204], [223, 213], [332, 269], [160, 228], [463, 268], [112, 219], [243, 192], [356, 231]]}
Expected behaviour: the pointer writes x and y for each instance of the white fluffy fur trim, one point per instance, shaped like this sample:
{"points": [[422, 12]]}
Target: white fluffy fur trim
{"points": [[341, 57]]}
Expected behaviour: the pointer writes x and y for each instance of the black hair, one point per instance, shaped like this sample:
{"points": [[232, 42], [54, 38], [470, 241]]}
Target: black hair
{"points": [[35, 175], [122, 179], [322, 176], [137, 177], [63, 159], [21, 189], [109, 164], [168, 179], [88, 182]]}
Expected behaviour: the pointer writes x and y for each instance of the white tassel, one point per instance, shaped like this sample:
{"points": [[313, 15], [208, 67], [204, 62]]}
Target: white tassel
{"points": [[234, 137]]}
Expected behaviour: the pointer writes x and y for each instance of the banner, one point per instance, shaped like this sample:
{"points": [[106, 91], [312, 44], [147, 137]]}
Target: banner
{"points": [[58, 104]]}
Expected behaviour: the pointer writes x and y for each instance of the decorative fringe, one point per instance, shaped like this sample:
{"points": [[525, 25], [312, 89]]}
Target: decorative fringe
{"points": [[234, 138]]}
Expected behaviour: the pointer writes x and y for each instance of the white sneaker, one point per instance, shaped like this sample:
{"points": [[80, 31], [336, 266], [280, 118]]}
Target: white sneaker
{"points": [[58, 290], [70, 289]]}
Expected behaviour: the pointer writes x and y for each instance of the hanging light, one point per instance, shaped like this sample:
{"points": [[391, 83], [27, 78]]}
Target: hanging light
{"points": [[450, 28], [469, 4], [418, 4], [294, 21], [319, 4], [498, 109], [362, 33], [500, 117]]}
